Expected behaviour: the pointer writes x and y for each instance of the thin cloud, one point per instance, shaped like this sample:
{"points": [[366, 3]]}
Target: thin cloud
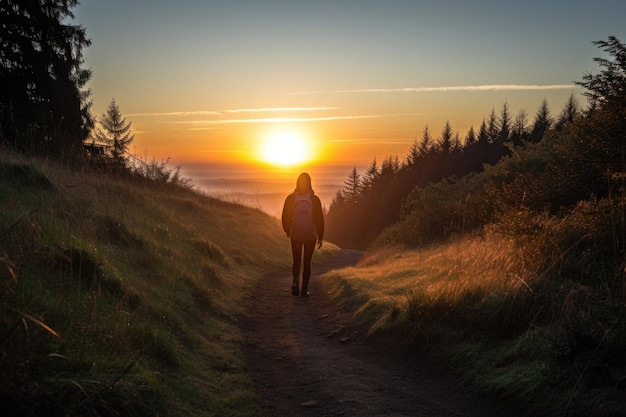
{"points": [[487, 87], [215, 113], [176, 113], [209, 123], [271, 109], [371, 141]]}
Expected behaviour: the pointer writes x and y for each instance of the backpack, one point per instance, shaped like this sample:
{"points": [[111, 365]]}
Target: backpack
{"points": [[302, 226]]}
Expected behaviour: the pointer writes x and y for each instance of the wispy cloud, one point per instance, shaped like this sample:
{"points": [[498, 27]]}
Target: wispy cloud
{"points": [[210, 124], [371, 141], [487, 87], [285, 109], [176, 114], [229, 111]]}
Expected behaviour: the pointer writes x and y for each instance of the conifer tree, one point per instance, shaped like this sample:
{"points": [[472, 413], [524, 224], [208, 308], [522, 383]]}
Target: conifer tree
{"points": [[543, 122], [352, 186], [425, 145], [115, 133], [446, 140], [470, 137], [43, 106], [371, 175], [609, 85], [519, 131], [483, 136], [414, 154], [505, 123], [569, 113], [493, 129]]}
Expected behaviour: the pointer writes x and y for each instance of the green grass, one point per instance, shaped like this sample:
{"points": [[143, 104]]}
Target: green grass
{"points": [[123, 296]]}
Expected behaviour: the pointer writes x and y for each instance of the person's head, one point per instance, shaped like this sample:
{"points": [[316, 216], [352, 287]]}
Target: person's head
{"points": [[303, 184]]}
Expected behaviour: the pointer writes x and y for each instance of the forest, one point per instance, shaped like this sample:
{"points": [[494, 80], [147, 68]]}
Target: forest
{"points": [[510, 171]]}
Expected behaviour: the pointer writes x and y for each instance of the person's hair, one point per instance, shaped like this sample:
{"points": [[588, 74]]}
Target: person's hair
{"points": [[303, 184]]}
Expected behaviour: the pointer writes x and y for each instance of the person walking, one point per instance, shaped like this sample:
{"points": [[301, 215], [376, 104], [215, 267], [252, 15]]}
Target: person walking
{"points": [[303, 222]]}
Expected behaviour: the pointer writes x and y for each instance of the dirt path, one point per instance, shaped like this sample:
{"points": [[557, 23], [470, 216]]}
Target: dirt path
{"points": [[307, 359]]}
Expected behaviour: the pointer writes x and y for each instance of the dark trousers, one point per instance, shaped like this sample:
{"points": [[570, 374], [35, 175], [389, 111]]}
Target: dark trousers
{"points": [[299, 260]]}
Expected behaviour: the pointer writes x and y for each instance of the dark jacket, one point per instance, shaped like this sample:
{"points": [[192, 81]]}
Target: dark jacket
{"points": [[318, 214]]}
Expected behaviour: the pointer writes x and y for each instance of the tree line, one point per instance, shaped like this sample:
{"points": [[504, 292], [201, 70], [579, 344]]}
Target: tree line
{"points": [[446, 185], [372, 200]]}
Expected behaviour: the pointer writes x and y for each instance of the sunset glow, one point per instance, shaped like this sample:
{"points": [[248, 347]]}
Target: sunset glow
{"points": [[286, 148], [259, 82]]}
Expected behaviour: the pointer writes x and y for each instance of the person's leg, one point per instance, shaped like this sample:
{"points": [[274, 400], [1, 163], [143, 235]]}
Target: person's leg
{"points": [[296, 253], [309, 247]]}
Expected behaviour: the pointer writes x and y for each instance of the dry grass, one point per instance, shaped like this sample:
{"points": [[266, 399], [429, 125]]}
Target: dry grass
{"points": [[485, 308], [394, 276]]}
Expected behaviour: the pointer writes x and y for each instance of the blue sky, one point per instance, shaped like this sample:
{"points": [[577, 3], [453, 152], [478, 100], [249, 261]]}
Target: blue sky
{"points": [[361, 78]]}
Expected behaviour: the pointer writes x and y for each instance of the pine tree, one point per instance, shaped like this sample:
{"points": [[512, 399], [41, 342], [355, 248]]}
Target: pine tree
{"points": [[456, 143], [483, 136], [352, 186], [569, 113], [493, 130], [425, 145], [371, 175], [43, 106], [470, 137], [519, 131], [115, 133], [543, 122], [505, 123], [446, 140], [609, 85], [414, 154]]}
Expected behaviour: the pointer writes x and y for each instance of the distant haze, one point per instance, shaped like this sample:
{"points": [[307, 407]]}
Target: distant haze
{"points": [[263, 188]]}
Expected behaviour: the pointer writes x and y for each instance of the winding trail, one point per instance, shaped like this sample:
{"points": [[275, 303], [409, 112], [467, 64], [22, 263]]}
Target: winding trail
{"points": [[308, 359]]}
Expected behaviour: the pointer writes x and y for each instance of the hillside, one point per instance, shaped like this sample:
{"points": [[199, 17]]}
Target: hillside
{"points": [[122, 295]]}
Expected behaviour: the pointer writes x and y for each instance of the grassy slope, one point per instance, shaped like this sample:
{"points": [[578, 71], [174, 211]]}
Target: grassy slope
{"points": [[477, 306], [125, 295], [122, 295]]}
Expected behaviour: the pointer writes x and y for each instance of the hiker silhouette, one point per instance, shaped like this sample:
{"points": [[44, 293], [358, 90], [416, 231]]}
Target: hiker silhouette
{"points": [[303, 222]]}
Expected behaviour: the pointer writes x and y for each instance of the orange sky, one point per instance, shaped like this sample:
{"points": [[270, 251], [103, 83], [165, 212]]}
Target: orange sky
{"points": [[213, 81], [360, 126]]}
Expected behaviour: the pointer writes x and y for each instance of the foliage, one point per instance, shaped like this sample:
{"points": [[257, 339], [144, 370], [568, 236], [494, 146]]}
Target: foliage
{"points": [[359, 214], [43, 106], [514, 276]]}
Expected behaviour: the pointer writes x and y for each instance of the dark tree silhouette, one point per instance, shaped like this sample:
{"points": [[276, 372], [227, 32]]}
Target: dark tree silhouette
{"points": [[356, 218], [426, 143], [470, 137], [493, 129], [569, 113], [609, 86], [505, 124], [519, 132], [446, 139], [43, 106], [543, 122], [352, 186], [115, 134]]}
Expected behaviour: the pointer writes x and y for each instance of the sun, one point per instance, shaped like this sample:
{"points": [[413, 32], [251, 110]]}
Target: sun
{"points": [[285, 148]]}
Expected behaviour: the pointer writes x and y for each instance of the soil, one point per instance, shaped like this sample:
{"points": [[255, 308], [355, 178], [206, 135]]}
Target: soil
{"points": [[309, 358]]}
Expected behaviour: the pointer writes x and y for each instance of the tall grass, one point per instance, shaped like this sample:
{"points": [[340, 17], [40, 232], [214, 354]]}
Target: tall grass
{"points": [[122, 297], [502, 312]]}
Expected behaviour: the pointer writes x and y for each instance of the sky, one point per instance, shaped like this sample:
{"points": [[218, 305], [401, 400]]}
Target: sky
{"points": [[344, 82]]}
